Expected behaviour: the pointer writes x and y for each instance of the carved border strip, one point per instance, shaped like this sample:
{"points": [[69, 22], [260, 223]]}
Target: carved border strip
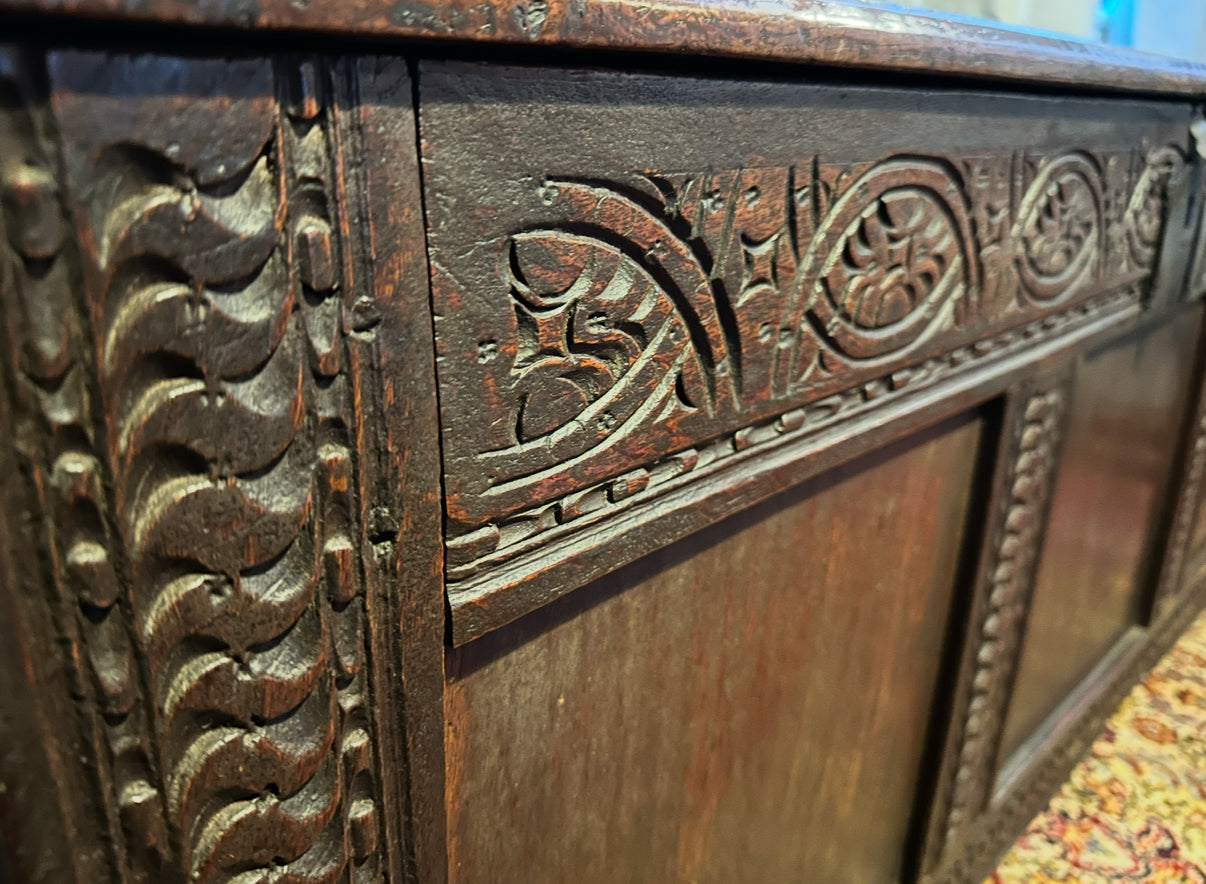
{"points": [[531, 528], [666, 308], [215, 277], [1032, 449], [561, 519]]}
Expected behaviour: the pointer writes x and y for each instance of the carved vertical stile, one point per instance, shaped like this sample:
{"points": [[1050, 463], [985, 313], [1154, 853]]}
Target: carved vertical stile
{"points": [[389, 330], [215, 278], [1035, 426], [53, 391]]}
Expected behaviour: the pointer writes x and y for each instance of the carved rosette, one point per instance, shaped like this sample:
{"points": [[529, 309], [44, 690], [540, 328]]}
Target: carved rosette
{"points": [[896, 261], [214, 277], [1060, 228]]}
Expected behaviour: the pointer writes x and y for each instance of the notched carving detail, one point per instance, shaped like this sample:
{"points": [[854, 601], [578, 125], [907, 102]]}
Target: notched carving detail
{"points": [[475, 552], [54, 392]]}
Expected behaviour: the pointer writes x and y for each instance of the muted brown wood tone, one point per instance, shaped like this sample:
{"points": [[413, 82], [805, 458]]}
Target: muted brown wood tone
{"points": [[804, 31], [690, 718], [1128, 409], [1026, 458], [663, 299]]}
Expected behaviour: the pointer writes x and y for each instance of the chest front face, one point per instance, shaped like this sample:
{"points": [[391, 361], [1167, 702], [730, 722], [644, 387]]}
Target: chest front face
{"points": [[461, 470]]}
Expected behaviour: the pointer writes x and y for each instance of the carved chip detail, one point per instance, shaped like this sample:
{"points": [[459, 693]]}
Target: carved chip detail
{"points": [[54, 389]]}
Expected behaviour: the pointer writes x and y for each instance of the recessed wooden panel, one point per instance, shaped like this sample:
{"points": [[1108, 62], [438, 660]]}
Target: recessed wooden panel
{"points": [[1128, 407], [748, 705]]}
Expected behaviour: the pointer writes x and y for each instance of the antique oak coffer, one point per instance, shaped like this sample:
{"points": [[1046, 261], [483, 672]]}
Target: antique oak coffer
{"points": [[579, 440]]}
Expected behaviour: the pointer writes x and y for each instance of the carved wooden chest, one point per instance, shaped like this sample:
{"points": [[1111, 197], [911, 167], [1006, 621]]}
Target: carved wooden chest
{"points": [[753, 446]]}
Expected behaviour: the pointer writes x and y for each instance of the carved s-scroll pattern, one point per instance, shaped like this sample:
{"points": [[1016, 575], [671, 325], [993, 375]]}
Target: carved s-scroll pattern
{"points": [[1010, 581], [55, 389], [216, 280]]}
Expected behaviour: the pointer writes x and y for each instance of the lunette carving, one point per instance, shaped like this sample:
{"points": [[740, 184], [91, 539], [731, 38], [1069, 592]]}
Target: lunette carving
{"points": [[216, 282], [1010, 580], [669, 310]]}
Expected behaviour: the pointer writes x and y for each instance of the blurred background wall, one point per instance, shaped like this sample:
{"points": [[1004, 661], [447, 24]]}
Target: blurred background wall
{"points": [[1167, 27]]}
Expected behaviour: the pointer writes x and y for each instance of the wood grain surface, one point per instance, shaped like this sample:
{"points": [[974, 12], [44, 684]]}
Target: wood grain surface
{"points": [[752, 702], [822, 32]]}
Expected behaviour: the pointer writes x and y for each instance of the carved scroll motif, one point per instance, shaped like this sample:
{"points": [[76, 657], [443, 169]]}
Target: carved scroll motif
{"points": [[1060, 228], [214, 278], [667, 309]]}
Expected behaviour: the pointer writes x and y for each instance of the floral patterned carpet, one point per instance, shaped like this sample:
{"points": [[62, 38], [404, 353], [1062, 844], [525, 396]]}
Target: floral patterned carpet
{"points": [[1135, 808]]}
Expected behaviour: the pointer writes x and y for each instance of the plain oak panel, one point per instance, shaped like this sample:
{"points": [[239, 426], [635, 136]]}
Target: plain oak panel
{"points": [[746, 705], [1128, 406]]}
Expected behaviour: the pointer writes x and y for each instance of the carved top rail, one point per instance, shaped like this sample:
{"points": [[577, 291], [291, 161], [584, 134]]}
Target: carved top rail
{"points": [[630, 294], [803, 31]]}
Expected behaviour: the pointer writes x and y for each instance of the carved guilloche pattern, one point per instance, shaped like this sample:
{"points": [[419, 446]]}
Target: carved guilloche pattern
{"points": [[213, 279], [643, 316]]}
